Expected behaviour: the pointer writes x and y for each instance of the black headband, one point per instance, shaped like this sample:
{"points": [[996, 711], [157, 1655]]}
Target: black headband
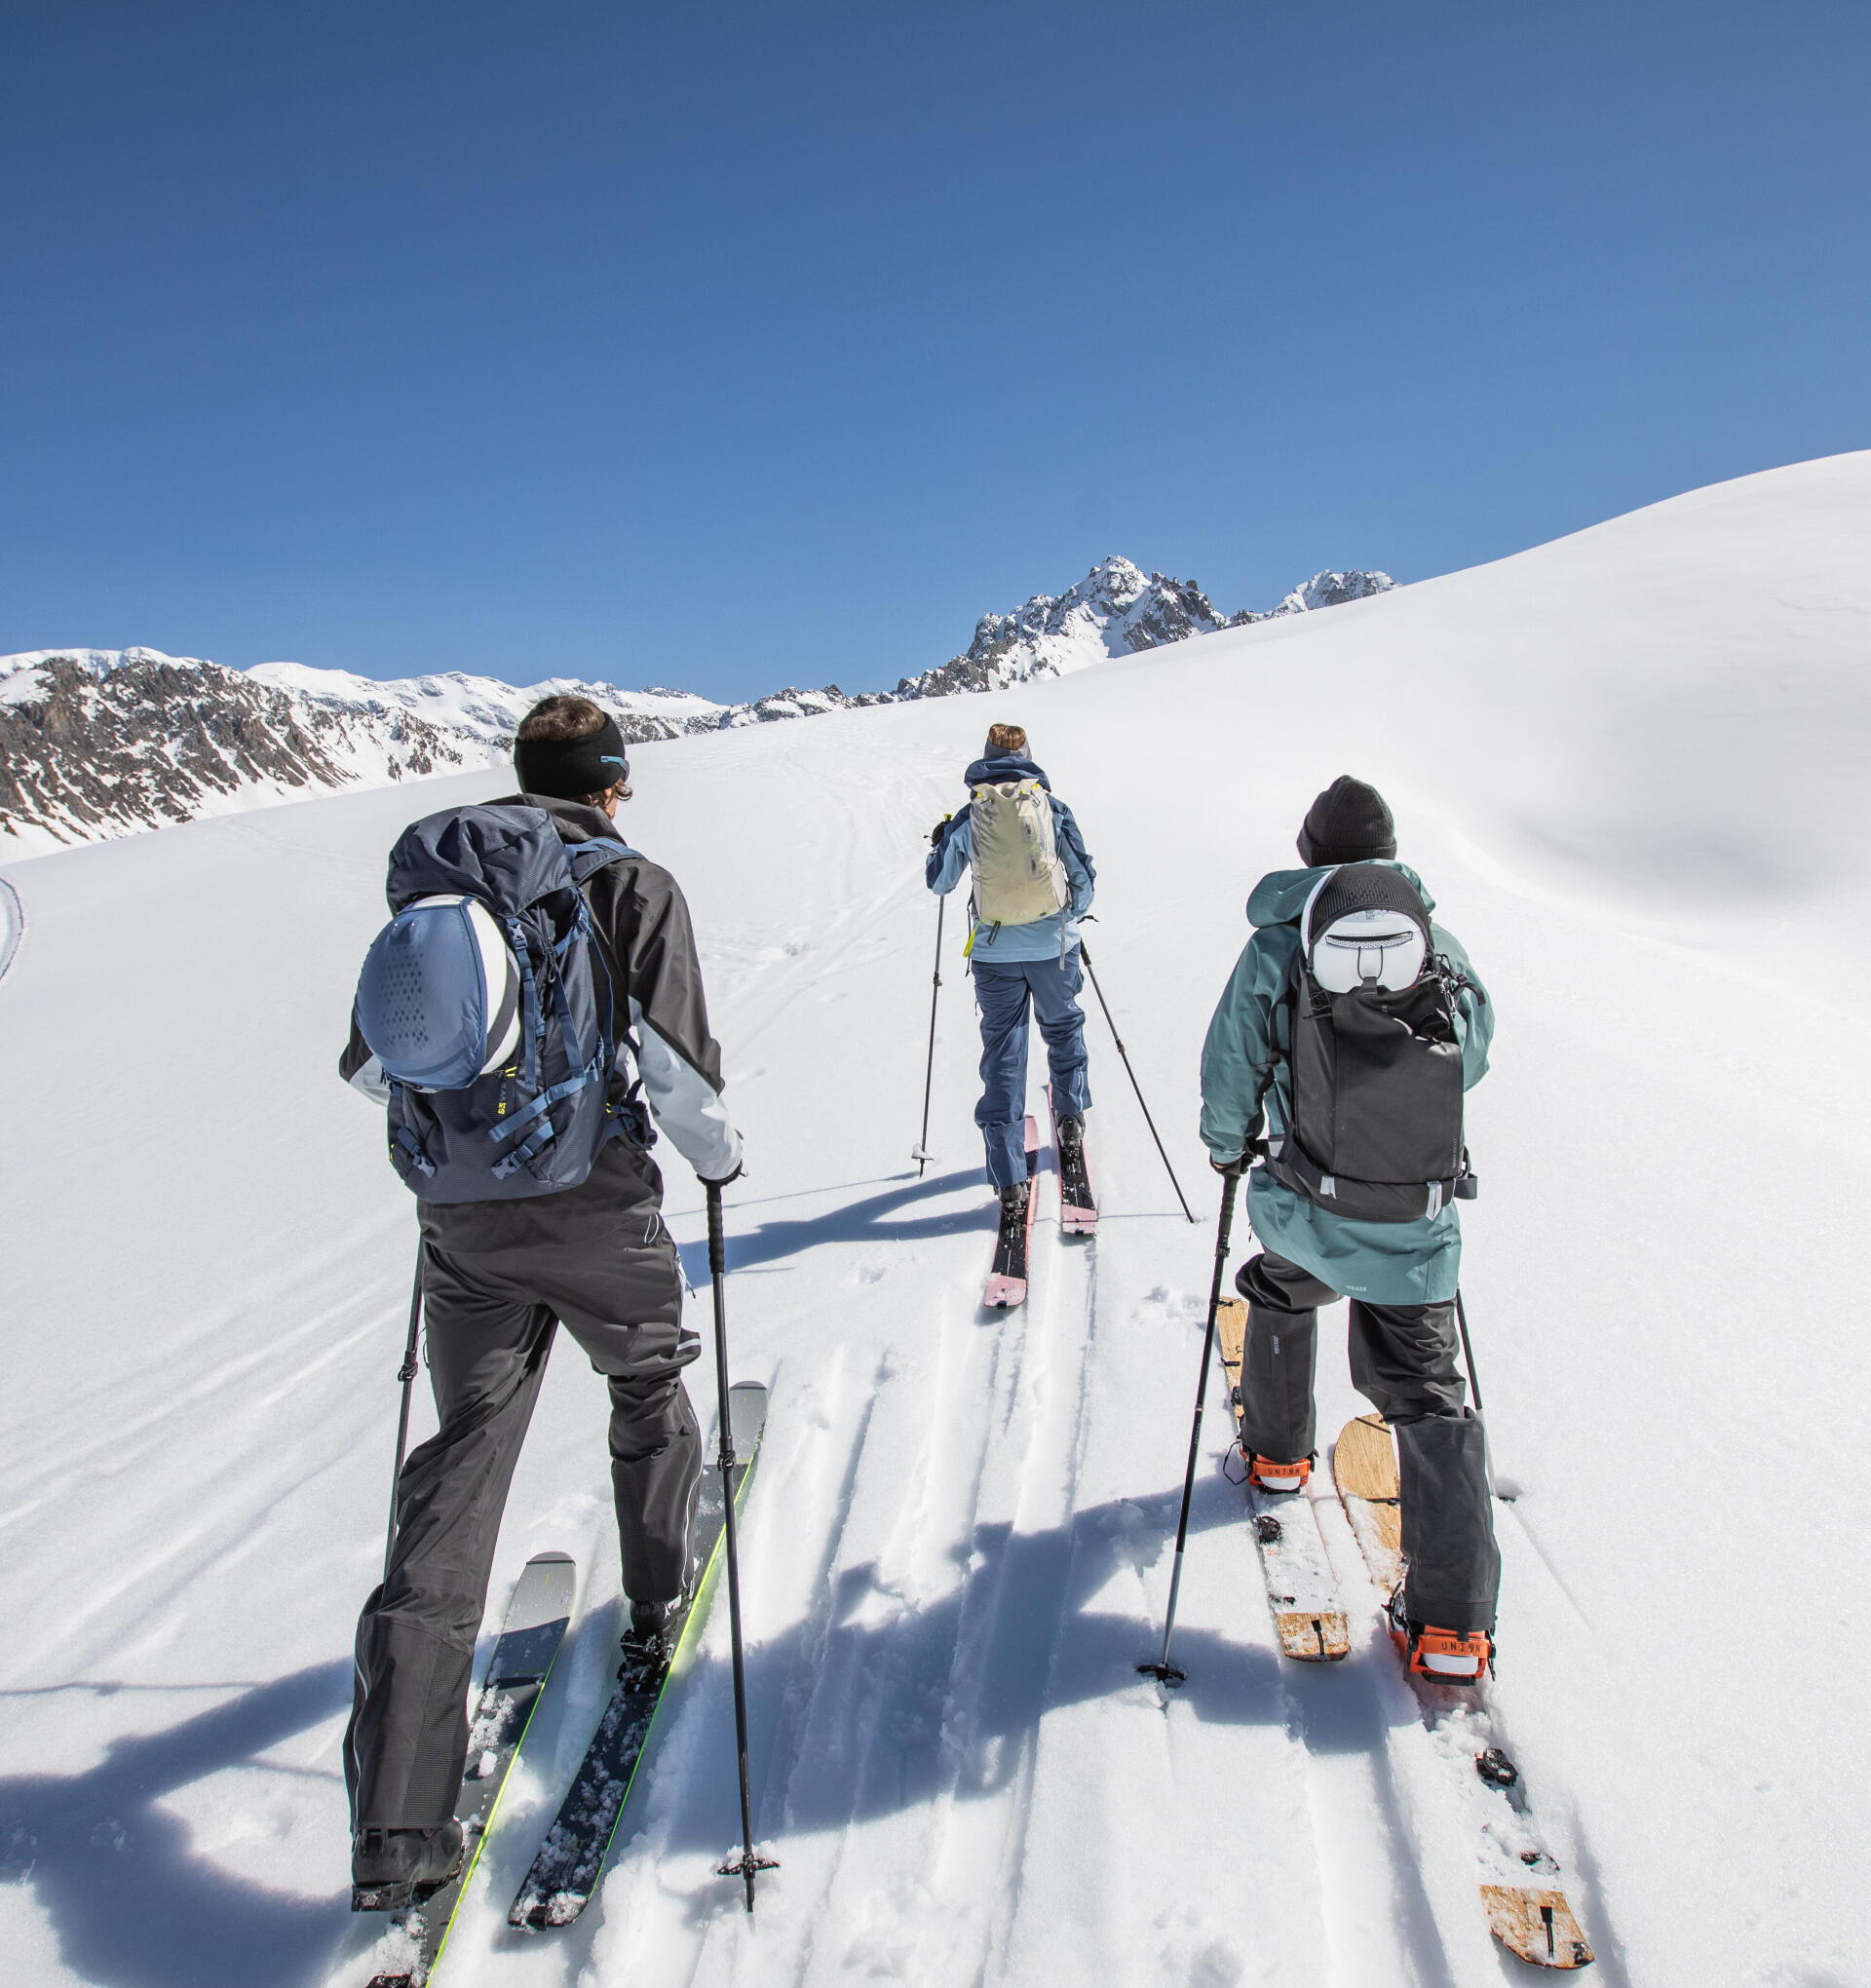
{"points": [[568, 767]]}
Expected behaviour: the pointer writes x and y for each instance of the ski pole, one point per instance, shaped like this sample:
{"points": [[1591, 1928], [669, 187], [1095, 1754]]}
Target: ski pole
{"points": [[746, 1863], [407, 1374], [1474, 1391], [1163, 1671], [929, 1075], [1468, 1352], [1132, 1074]]}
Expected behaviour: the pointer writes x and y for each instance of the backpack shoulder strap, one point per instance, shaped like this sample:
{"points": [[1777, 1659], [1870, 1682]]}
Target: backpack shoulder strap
{"points": [[586, 858]]}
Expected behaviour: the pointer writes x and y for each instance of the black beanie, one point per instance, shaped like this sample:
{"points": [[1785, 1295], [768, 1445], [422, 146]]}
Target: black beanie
{"points": [[568, 768], [1349, 823]]}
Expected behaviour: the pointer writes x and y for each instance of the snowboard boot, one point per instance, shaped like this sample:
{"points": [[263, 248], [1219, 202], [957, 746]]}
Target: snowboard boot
{"points": [[1442, 1655], [1273, 1477], [391, 1868]]}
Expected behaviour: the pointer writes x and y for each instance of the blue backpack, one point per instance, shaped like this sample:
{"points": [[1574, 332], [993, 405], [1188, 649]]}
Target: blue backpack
{"points": [[480, 1002]]}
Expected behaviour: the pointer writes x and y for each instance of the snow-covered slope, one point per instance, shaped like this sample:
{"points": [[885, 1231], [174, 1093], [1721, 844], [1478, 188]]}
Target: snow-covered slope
{"points": [[1630, 766], [1114, 610]]}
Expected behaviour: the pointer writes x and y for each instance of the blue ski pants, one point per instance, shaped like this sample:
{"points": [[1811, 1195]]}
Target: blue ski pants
{"points": [[1004, 992]]}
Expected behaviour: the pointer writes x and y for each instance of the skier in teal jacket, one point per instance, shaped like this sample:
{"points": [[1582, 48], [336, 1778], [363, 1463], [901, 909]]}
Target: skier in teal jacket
{"points": [[1400, 1275]]}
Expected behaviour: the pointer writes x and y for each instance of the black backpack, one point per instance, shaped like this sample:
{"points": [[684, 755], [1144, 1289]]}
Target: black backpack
{"points": [[488, 1002], [1374, 1054]]}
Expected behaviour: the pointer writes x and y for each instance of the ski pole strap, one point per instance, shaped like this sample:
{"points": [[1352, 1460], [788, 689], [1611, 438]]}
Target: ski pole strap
{"points": [[718, 1239]]}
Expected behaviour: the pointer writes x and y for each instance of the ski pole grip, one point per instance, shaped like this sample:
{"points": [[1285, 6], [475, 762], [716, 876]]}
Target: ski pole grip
{"points": [[718, 1239], [1229, 1183]]}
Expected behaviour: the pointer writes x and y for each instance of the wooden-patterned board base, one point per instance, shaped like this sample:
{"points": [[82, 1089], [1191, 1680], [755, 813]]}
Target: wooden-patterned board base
{"points": [[1364, 1466], [1302, 1591], [1537, 1926], [1533, 1921]]}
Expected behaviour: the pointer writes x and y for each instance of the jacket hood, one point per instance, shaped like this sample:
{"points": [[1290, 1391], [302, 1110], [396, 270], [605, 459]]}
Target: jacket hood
{"points": [[1280, 895], [1003, 767]]}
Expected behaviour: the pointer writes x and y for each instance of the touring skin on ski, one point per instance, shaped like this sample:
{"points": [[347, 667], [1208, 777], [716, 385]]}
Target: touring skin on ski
{"points": [[1309, 1612], [1528, 1912], [1007, 1281], [530, 1634], [565, 1872]]}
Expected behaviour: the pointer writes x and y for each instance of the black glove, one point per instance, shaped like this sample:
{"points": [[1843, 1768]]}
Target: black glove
{"points": [[941, 829], [717, 1185], [1231, 1170]]}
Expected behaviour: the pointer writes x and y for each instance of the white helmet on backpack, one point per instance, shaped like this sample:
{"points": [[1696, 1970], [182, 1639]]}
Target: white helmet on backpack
{"points": [[439, 998], [1365, 926]]}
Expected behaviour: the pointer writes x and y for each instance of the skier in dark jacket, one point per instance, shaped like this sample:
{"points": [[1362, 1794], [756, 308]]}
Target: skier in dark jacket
{"points": [[1401, 1274], [1024, 948], [498, 1278]]}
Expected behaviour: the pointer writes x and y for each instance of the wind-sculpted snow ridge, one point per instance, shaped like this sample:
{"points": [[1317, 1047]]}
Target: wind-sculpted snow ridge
{"points": [[1114, 610], [100, 742]]}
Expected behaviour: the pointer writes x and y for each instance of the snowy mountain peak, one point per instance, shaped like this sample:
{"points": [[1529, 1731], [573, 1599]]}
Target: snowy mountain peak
{"points": [[1114, 610]]}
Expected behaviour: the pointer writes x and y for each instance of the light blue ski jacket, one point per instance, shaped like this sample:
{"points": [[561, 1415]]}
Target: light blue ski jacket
{"points": [[953, 856], [1244, 1069]]}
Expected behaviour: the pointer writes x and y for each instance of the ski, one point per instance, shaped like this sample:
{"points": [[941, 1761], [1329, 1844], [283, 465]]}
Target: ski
{"points": [[1521, 1891], [1078, 1198], [1308, 1613], [565, 1872], [1007, 1281], [530, 1634]]}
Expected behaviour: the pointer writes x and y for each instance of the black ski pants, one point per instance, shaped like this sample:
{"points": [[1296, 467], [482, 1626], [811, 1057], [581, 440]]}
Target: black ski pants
{"points": [[1405, 1362], [498, 1280]]}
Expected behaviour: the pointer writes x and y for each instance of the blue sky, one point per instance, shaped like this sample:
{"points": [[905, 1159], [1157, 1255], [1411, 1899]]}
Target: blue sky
{"points": [[743, 345]]}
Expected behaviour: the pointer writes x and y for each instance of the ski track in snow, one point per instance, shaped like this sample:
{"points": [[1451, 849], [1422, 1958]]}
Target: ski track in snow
{"points": [[958, 1546]]}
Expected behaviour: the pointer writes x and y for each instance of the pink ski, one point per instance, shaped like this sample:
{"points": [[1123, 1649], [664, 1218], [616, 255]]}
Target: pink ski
{"points": [[1078, 1198], [1007, 1281]]}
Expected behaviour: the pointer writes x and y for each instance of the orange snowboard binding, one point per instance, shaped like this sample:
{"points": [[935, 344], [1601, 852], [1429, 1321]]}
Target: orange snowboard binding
{"points": [[1442, 1655], [1273, 1477]]}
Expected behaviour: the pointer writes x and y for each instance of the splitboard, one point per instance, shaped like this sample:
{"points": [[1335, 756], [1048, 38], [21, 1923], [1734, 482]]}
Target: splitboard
{"points": [[1308, 1613], [1078, 1198], [530, 1634], [1521, 1892], [571, 1860], [1007, 1281]]}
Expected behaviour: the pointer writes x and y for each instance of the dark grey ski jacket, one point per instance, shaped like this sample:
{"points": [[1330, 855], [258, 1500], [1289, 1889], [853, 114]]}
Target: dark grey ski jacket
{"points": [[643, 922]]}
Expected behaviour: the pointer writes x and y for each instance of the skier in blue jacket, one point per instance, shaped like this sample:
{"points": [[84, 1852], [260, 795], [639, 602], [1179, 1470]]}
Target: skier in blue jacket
{"points": [[1398, 1270], [1032, 881]]}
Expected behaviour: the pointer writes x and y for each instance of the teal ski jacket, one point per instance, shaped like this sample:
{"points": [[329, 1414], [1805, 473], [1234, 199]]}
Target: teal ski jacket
{"points": [[1244, 1069]]}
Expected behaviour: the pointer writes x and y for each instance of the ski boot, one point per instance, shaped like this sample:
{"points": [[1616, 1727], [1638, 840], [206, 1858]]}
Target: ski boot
{"points": [[1271, 1477], [1071, 1134], [655, 1626], [1442, 1655], [1014, 1214], [391, 1868]]}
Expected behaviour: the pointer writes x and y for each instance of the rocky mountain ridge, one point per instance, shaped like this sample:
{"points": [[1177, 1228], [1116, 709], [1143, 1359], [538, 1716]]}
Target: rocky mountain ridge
{"points": [[1114, 610], [97, 743]]}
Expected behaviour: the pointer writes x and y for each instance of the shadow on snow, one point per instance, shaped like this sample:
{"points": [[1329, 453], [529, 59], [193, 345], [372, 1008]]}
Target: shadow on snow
{"points": [[132, 1903], [868, 1709], [877, 1218]]}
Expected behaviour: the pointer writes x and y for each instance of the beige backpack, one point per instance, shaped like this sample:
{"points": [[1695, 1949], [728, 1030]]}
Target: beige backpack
{"points": [[1018, 877]]}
